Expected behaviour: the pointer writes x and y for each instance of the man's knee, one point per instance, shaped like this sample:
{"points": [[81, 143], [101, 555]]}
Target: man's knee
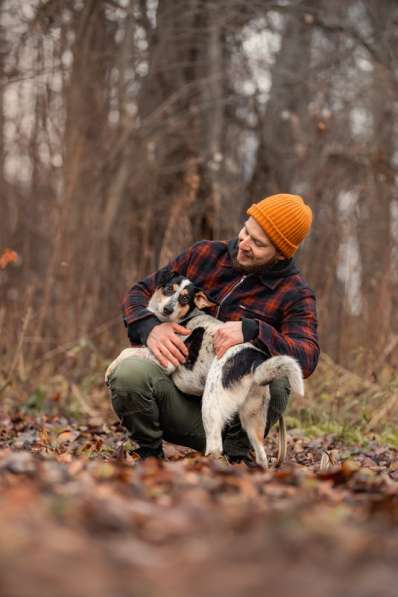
{"points": [[134, 374]]}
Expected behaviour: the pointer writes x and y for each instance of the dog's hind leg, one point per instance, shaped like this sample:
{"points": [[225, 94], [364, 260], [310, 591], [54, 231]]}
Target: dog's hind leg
{"points": [[218, 406], [253, 419]]}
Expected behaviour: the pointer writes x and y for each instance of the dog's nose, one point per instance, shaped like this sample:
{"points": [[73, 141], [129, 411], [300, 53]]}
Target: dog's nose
{"points": [[167, 310]]}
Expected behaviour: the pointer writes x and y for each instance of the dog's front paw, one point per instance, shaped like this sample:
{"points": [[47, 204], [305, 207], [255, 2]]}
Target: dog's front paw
{"points": [[169, 369], [262, 461], [214, 448], [218, 462]]}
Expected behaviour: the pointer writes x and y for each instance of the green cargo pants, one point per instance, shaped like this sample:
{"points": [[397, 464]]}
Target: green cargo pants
{"points": [[151, 408]]}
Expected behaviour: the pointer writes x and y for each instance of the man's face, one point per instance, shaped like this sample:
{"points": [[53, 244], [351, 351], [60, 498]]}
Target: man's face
{"points": [[254, 247]]}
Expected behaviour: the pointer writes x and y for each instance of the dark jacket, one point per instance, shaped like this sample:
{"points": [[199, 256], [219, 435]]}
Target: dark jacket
{"points": [[276, 306]]}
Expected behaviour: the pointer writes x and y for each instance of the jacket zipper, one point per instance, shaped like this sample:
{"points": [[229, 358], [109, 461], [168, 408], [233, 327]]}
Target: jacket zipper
{"points": [[229, 292]]}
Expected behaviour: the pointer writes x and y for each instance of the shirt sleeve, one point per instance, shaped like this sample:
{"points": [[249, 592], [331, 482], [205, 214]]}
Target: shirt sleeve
{"points": [[297, 337], [249, 329], [137, 318]]}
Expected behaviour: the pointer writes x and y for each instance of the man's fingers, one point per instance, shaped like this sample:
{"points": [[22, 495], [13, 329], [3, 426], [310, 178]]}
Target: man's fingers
{"points": [[160, 357], [218, 348], [164, 356], [221, 348], [174, 350], [166, 353], [219, 336], [180, 329], [220, 351], [218, 341], [181, 346]]}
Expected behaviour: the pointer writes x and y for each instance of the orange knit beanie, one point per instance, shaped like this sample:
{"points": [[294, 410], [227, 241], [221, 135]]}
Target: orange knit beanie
{"points": [[285, 219]]}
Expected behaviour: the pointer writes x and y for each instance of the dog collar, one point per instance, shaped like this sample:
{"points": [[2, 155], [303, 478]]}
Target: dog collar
{"points": [[194, 313]]}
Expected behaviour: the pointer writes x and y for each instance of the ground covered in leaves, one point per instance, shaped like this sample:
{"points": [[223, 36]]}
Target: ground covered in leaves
{"points": [[79, 517]]}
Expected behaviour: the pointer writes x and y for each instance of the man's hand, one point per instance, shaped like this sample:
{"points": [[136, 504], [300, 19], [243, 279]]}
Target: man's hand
{"points": [[226, 336], [166, 345]]}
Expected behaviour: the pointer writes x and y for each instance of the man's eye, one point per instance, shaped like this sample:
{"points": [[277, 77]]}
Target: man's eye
{"points": [[168, 290]]}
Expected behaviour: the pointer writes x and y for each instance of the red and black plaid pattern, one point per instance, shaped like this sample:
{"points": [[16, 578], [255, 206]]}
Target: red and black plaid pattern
{"points": [[278, 298]]}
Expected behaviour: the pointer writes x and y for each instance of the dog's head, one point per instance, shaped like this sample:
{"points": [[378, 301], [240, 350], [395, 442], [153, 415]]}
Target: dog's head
{"points": [[175, 297]]}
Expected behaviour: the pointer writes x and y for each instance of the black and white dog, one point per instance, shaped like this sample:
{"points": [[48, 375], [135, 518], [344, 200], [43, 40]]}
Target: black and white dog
{"points": [[237, 382]]}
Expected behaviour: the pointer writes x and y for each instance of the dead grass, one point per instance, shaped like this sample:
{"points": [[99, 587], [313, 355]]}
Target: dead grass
{"points": [[337, 401]]}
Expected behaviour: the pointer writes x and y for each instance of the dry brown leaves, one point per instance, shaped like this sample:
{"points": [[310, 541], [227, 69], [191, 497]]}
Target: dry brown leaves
{"points": [[79, 516]]}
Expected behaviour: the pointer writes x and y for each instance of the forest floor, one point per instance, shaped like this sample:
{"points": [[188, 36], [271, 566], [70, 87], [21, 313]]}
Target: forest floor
{"points": [[79, 517]]}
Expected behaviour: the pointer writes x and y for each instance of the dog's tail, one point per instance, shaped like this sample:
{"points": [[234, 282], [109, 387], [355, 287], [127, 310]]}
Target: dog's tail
{"points": [[281, 366]]}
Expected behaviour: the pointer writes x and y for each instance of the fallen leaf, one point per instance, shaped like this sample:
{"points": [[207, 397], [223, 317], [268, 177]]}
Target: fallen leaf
{"points": [[8, 256]]}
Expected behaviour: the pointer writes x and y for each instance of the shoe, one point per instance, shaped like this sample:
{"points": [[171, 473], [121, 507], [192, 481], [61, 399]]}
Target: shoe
{"points": [[144, 452], [247, 458]]}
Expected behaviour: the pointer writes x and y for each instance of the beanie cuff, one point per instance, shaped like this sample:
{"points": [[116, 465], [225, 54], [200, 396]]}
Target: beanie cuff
{"points": [[277, 238]]}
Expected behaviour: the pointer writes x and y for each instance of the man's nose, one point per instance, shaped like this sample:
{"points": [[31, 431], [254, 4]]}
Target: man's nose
{"points": [[245, 243]]}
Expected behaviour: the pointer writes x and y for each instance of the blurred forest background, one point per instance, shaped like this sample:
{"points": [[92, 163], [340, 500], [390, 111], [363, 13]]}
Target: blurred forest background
{"points": [[128, 130], [131, 128]]}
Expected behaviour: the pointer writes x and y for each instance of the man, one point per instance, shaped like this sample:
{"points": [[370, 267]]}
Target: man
{"points": [[263, 299]]}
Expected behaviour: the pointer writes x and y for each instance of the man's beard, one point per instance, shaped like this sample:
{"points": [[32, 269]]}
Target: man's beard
{"points": [[252, 269]]}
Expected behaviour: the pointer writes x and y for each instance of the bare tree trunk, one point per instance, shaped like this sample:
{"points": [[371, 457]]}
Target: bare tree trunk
{"points": [[78, 254], [285, 118], [185, 87], [212, 71], [4, 202], [375, 216]]}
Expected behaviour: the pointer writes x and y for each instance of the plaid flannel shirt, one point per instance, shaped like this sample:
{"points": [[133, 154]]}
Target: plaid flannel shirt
{"points": [[276, 306]]}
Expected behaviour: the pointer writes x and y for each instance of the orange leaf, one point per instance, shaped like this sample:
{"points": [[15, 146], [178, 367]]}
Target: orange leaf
{"points": [[8, 256]]}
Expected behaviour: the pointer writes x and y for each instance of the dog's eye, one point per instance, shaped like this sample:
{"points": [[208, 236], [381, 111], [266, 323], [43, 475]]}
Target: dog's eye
{"points": [[183, 300], [168, 290]]}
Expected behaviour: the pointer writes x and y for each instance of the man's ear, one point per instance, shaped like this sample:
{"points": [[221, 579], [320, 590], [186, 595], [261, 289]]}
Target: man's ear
{"points": [[201, 300]]}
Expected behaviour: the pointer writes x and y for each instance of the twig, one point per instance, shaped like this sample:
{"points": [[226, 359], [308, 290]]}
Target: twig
{"points": [[67, 346], [18, 349], [327, 460], [387, 352], [79, 397], [389, 405]]}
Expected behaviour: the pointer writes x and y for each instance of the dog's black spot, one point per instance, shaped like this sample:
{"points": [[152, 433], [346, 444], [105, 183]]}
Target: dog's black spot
{"points": [[167, 277], [177, 279], [240, 365], [194, 344], [164, 276]]}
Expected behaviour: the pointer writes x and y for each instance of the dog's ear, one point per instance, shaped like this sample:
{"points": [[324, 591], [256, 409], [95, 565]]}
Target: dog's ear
{"points": [[201, 300], [164, 277]]}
